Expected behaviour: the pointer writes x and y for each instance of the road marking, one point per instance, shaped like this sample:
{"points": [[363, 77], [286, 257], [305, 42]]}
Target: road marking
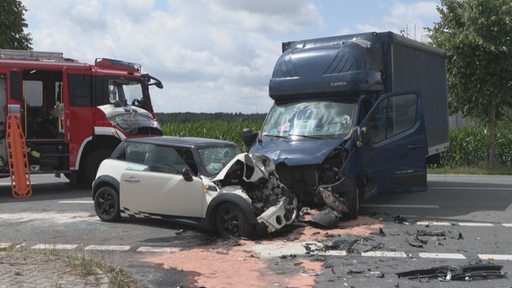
{"points": [[475, 224], [507, 224], [108, 247], [470, 188], [442, 255], [158, 249], [55, 246], [76, 202], [333, 253], [4, 245], [433, 223], [495, 257], [384, 254], [401, 206]]}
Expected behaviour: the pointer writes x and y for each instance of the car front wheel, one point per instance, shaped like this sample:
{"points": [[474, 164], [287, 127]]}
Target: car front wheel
{"points": [[106, 204], [231, 222]]}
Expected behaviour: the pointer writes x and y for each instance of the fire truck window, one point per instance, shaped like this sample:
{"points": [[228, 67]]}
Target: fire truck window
{"points": [[3, 98], [80, 90], [33, 92]]}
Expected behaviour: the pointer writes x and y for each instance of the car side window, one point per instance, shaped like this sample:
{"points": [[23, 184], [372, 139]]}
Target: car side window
{"points": [[139, 153], [171, 160]]}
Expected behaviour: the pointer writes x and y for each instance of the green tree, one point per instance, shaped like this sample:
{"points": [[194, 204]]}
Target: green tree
{"points": [[478, 35], [12, 25]]}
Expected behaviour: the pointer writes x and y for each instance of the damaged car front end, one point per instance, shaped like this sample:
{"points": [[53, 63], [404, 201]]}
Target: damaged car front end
{"points": [[254, 176]]}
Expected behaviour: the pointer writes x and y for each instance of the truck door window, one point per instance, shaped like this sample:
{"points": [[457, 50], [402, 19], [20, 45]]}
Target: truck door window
{"points": [[80, 90], [3, 99], [392, 116]]}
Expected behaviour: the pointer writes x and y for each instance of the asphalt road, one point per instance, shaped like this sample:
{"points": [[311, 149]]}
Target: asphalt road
{"points": [[460, 220]]}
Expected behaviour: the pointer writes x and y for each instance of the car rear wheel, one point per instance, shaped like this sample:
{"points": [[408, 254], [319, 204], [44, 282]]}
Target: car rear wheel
{"points": [[106, 204], [231, 222]]}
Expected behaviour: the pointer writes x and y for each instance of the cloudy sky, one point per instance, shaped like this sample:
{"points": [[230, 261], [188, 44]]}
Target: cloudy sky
{"points": [[211, 55]]}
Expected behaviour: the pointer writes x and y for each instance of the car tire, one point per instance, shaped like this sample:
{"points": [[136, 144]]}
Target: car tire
{"points": [[353, 204], [230, 221], [106, 204]]}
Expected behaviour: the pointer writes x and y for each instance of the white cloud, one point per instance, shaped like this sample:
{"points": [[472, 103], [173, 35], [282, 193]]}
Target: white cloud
{"points": [[212, 55]]}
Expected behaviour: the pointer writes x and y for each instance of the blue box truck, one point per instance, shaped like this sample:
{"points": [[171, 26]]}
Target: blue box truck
{"points": [[353, 116]]}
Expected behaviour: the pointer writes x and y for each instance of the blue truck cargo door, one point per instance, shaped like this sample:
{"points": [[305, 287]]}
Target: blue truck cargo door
{"points": [[394, 145]]}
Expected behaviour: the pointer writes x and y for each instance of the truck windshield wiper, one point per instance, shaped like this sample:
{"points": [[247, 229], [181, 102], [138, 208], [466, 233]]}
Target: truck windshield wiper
{"points": [[278, 136], [306, 136]]}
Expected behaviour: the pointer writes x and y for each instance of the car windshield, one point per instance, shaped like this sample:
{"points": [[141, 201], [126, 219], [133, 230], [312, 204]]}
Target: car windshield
{"points": [[322, 119], [216, 158]]}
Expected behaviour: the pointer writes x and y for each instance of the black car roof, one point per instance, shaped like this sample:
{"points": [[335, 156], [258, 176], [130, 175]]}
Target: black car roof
{"points": [[180, 141]]}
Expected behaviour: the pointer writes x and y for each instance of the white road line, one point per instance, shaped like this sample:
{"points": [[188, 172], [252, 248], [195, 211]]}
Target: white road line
{"points": [[442, 255], [507, 224], [433, 223], [384, 254], [495, 257], [108, 247], [470, 188], [333, 253], [5, 245], [55, 246], [158, 249], [401, 206], [76, 202], [475, 224]]}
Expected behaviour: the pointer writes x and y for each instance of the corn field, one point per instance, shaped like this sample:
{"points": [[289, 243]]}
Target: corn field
{"points": [[223, 130], [469, 147]]}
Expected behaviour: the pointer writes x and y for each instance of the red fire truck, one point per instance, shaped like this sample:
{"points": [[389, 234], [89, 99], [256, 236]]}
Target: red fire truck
{"points": [[72, 114]]}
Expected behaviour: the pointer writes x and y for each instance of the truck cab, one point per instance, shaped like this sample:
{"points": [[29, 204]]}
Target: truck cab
{"points": [[72, 114], [349, 117]]}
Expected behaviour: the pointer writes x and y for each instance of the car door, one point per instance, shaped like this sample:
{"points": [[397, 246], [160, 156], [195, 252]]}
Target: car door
{"points": [[161, 191], [393, 153]]}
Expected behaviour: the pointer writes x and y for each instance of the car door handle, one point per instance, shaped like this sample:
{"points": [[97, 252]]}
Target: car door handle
{"points": [[415, 146], [131, 180]]}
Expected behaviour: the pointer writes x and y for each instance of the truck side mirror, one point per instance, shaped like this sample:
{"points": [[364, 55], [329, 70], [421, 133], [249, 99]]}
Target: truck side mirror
{"points": [[249, 138], [360, 136]]}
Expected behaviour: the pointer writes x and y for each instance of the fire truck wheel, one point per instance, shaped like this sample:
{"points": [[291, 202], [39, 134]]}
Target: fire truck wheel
{"points": [[92, 162]]}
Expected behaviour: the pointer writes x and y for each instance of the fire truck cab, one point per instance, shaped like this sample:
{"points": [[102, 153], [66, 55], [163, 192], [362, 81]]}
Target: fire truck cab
{"points": [[72, 114]]}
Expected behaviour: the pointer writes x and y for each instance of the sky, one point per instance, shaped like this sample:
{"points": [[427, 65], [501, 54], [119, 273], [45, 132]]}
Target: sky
{"points": [[211, 55]]}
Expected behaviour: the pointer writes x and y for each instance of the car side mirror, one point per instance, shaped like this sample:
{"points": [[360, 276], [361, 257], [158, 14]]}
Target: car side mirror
{"points": [[187, 174], [249, 138]]}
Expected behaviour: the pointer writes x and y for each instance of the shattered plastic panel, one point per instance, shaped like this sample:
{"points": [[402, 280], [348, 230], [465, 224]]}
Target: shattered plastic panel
{"points": [[274, 205]]}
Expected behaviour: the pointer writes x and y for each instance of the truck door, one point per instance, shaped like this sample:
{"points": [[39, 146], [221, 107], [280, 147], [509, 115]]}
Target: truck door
{"points": [[395, 143]]}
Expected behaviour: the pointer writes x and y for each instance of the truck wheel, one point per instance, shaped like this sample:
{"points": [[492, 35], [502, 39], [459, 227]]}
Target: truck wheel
{"points": [[92, 162], [231, 222], [352, 204], [106, 204]]}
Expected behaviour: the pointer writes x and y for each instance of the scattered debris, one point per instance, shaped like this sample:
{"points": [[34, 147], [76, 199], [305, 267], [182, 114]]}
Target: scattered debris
{"points": [[400, 220], [462, 273], [326, 218]]}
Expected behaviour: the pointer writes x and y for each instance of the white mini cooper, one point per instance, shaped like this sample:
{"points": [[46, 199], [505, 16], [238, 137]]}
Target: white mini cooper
{"points": [[206, 181]]}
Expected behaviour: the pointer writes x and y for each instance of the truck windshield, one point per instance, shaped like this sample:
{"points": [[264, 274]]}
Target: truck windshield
{"points": [[124, 91], [322, 119]]}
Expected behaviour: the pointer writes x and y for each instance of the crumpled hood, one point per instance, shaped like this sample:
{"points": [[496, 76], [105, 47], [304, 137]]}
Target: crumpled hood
{"points": [[297, 152]]}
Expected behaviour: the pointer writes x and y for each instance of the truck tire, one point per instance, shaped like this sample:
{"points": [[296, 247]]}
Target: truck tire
{"points": [[352, 204], [90, 166]]}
